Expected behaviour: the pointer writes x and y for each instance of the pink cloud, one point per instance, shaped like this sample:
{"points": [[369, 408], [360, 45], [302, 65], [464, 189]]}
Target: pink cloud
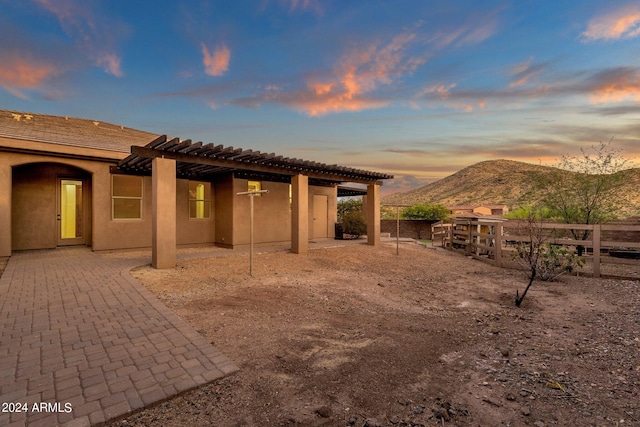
{"points": [[358, 73], [20, 72], [442, 90], [216, 63], [619, 24], [524, 72], [619, 87]]}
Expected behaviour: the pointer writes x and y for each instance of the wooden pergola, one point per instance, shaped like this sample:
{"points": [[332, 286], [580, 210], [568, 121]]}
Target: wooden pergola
{"points": [[167, 159]]}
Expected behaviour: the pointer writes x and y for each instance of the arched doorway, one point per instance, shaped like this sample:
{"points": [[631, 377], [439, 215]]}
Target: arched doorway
{"points": [[51, 206]]}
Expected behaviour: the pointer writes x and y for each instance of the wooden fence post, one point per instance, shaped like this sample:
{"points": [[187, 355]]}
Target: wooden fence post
{"points": [[596, 250], [497, 249]]}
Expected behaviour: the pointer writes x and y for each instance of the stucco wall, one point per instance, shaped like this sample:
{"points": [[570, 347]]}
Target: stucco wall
{"points": [[272, 214], [224, 191], [193, 231], [136, 233], [34, 207], [119, 233]]}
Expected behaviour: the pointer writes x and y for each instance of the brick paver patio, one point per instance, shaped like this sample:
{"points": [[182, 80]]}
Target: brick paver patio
{"points": [[85, 342]]}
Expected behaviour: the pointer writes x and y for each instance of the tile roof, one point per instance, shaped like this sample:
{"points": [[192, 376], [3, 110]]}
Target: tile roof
{"points": [[71, 131]]}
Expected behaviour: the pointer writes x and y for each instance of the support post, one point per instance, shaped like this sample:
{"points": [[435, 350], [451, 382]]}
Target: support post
{"points": [[5, 211], [300, 214], [373, 214], [497, 248], [163, 216], [596, 249]]}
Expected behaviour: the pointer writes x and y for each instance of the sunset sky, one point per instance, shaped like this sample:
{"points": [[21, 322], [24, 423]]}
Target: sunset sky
{"points": [[418, 89]]}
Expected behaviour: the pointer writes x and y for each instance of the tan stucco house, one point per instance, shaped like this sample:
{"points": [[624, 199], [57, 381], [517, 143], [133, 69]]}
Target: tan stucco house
{"points": [[69, 181]]}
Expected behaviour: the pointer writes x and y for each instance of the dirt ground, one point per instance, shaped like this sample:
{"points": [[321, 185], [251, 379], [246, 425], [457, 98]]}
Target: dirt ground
{"points": [[358, 336]]}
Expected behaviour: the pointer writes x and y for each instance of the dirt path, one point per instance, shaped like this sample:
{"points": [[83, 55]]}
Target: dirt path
{"points": [[360, 336]]}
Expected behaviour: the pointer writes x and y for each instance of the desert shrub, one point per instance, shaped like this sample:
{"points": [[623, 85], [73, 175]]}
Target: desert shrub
{"points": [[353, 223], [547, 261], [540, 258], [346, 206]]}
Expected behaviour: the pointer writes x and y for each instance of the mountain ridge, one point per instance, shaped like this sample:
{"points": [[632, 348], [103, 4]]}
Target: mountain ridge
{"points": [[497, 182]]}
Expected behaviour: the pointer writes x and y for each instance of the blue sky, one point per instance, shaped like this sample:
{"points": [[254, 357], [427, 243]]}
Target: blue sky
{"points": [[418, 89]]}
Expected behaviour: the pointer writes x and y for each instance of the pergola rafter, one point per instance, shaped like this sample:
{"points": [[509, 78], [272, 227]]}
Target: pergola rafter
{"points": [[198, 159]]}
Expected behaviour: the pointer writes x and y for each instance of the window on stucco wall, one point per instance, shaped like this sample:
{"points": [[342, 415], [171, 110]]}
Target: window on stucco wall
{"points": [[199, 200], [126, 197]]}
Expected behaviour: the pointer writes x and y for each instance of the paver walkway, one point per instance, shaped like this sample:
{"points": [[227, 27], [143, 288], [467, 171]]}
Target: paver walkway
{"points": [[85, 342]]}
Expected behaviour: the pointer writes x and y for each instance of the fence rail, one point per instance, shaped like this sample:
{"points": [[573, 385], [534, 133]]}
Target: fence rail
{"points": [[493, 241]]}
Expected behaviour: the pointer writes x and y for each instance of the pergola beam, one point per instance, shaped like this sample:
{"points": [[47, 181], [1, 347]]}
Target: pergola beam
{"points": [[257, 165]]}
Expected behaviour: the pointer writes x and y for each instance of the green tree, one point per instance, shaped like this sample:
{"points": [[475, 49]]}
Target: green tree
{"points": [[525, 212], [426, 211], [589, 193]]}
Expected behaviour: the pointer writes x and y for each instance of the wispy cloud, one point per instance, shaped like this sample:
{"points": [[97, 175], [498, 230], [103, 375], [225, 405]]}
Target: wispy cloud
{"points": [[353, 81], [21, 72], [615, 85], [623, 23], [522, 73], [314, 6], [478, 32], [618, 110], [604, 86], [441, 90], [93, 34], [404, 183], [216, 62], [110, 63], [467, 34]]}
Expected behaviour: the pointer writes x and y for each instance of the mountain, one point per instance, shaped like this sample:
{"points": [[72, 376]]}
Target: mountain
{"points": [[497, 182]]}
